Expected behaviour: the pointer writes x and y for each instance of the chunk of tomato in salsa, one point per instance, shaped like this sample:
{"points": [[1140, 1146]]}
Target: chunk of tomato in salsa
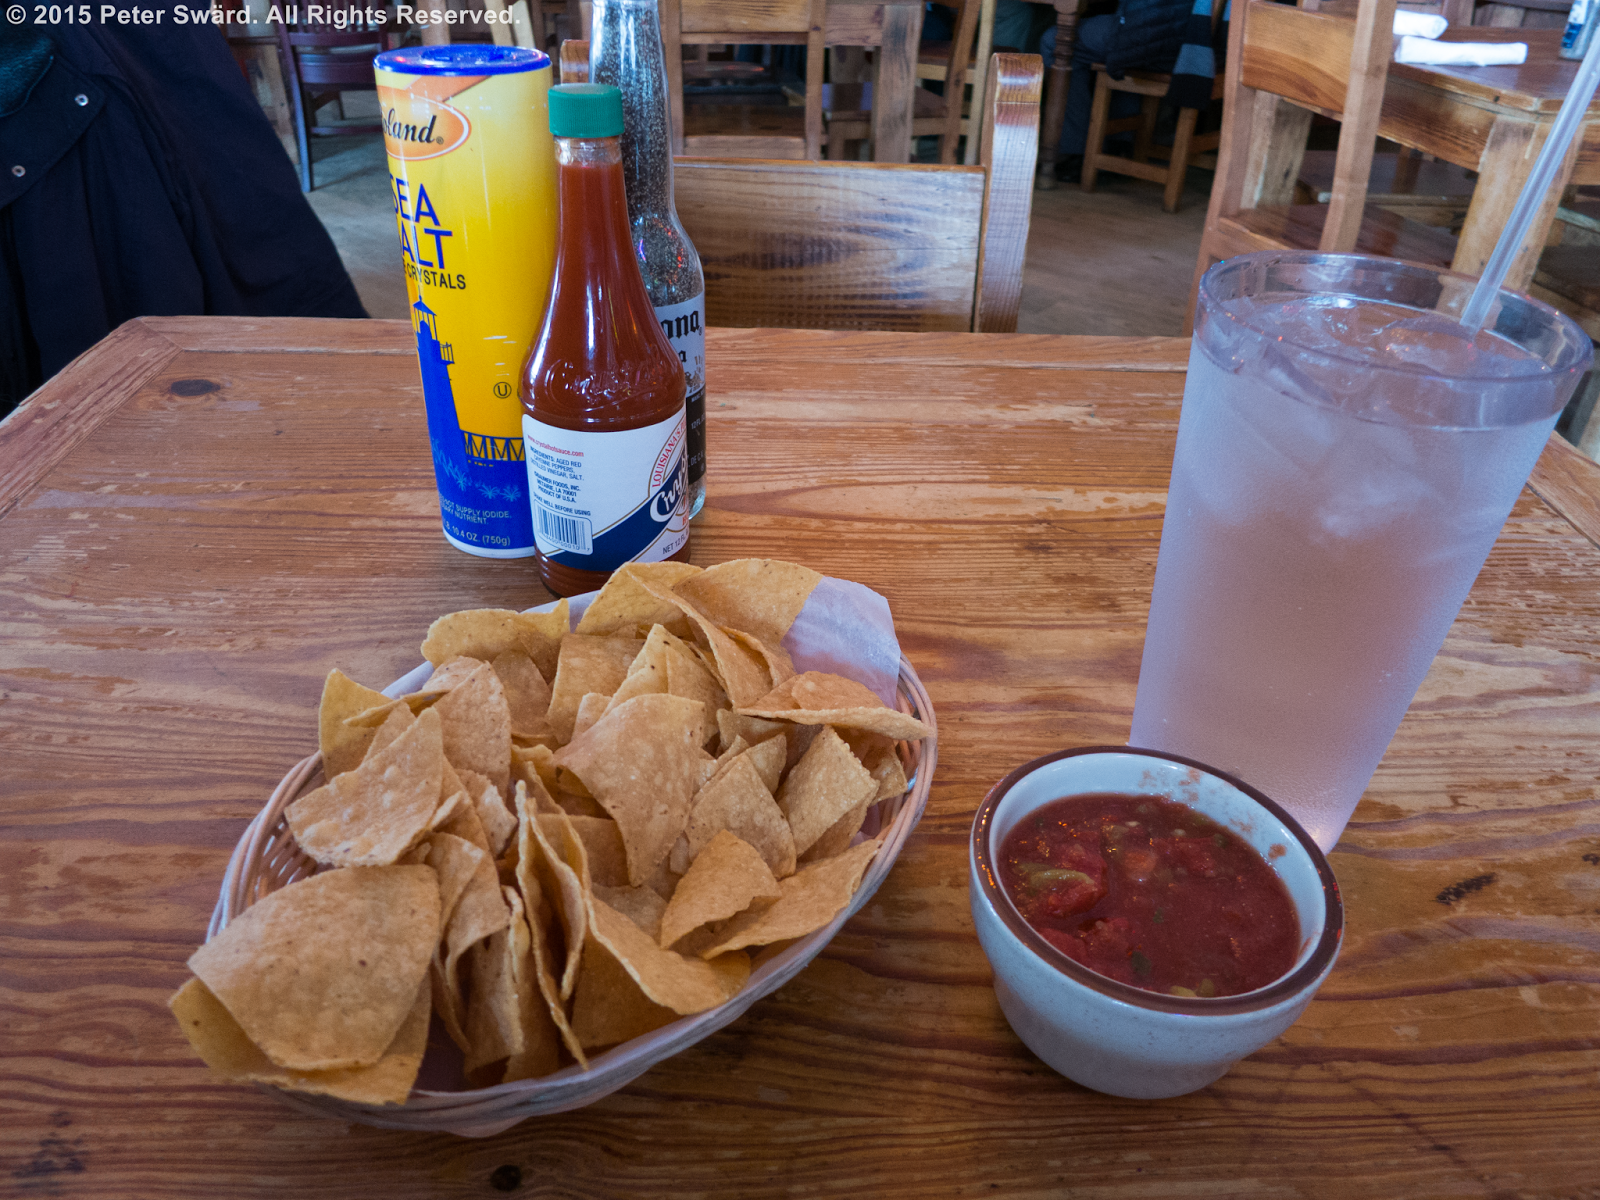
{"points": [[1146, 891]]}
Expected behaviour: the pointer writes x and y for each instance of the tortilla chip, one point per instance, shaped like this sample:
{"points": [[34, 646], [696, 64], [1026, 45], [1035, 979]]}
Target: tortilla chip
{"points": [[817, 698], [753, 730], [476, 725], [493, 816], [738, 801], [769, 759], [480, 913], [447, 812], [668, 979], [541, 920], [446, 676], [494, 1020], [725, 877], [602, 846], [779, 665], [486, 633], [590, 709], [688, 677], [761, 596], [372, 815], [648, 674], [810, 898], [396, 723], [663, 881], [678, 859], [838, 835], [527, 693], [532, 765], [226, 1049], [575, 805], [740, 672], [558, 865], [824, 785], [587, 664], [455, 861], [321, 974], [624, 605], [343, 747], [463, 821], [541, 1039], [609, 1006], [642, 905], [643, 763], [737, 747]]}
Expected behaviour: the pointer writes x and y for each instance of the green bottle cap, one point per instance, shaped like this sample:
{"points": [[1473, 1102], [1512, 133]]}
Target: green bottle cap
{"points": [[586, 110]]}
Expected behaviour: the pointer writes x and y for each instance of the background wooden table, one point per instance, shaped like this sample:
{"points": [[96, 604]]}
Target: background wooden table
{"points": [[1493, 120], [201, 517]]}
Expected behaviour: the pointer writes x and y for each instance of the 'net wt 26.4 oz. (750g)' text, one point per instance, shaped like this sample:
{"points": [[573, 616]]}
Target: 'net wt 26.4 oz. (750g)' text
{"points": [[472, 167]]}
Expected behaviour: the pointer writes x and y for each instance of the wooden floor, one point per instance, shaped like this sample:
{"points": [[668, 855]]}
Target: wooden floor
{"points": [[1106, 263]]}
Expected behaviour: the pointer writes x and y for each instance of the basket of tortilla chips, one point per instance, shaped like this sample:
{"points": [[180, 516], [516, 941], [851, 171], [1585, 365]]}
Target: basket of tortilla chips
{"points": [[570, 844]]}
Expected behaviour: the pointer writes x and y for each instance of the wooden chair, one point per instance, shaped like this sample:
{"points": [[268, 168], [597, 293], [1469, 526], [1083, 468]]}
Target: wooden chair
{"points": [[849, 108], [837, 245], [739, 131], [933, 63], [319, 62], [1283, 64], [1187, 146]]}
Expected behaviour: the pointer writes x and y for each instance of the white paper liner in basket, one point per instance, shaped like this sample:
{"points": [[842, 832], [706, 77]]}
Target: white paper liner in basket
{"points": [[267, 859]]}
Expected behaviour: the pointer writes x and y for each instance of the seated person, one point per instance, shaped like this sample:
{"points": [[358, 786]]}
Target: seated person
{"points": [[142, 178], [1139, 35]]}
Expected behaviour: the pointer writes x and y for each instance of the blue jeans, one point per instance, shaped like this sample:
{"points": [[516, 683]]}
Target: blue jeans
{"points": [[1094, 39]]}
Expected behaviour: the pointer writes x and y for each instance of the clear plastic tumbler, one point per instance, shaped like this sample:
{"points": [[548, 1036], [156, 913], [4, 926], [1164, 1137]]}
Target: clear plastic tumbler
{"points": [[1346, 458]]}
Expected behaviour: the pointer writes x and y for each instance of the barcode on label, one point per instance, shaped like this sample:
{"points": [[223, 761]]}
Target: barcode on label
{"points": [[569, 533]]}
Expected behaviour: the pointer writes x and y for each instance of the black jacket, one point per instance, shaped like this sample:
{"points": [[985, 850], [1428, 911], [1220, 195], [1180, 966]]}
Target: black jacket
{"points": [[139, 176]]}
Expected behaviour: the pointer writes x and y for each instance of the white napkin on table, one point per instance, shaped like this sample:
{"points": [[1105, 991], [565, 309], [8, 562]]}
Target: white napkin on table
{"points": [[1424, 25], [1424, 53]]}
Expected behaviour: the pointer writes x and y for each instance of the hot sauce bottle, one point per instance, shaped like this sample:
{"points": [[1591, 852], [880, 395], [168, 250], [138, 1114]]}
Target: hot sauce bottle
{"points": [[603, 422]]}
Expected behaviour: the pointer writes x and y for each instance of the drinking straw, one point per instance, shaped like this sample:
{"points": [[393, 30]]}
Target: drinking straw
{"points": [[1543, 174]]}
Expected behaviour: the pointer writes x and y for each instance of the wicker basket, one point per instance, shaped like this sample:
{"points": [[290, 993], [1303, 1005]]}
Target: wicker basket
{"points": [[267, 859]]}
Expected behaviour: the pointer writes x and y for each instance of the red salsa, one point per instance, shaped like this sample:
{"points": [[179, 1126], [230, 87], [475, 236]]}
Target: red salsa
{"points": [[1151, 893]]}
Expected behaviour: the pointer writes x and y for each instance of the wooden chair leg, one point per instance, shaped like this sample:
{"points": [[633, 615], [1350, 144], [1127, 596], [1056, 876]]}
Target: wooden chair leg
{"points": [[1178, 164], [1094, 142], [1149, 109]]}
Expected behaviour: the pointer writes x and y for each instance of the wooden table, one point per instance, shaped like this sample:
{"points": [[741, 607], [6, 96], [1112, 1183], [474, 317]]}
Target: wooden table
{"points": [[1493, 120], [200, 517]]}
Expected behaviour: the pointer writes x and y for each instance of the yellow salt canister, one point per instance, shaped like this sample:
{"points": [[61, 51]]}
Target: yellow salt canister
{"points": [[473, 173]]}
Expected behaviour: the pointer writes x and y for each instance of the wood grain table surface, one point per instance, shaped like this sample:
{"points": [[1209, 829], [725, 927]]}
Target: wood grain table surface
{"points": [[201, 516]]}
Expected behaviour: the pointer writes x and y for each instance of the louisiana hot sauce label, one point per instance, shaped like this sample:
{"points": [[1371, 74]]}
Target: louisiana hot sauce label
{"points": [[472, 172], [604, 499]]}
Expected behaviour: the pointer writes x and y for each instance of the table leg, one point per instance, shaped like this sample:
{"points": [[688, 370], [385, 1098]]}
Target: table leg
{"points": [[1055, 92], [1508, 157]]}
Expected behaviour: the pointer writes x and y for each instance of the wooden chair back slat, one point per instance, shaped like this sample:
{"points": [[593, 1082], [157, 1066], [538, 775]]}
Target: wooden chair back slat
{"points": [[834, 245], [854, 25], [745, 16], [870, 245], [744, 22]]}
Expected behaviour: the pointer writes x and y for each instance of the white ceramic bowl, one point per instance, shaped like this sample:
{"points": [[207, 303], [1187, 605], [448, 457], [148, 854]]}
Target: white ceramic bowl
{"points": [[1111, 1036]]}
